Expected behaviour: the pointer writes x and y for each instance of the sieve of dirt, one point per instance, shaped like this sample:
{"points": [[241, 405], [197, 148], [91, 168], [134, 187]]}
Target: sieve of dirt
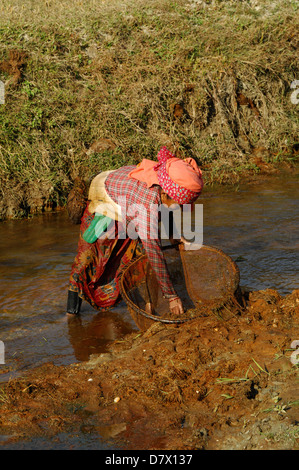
{"points": [[205, 280]]}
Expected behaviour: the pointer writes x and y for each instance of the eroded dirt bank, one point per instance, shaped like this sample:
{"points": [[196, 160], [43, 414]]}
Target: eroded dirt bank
{"points": [[211, 383], [106, 84]]}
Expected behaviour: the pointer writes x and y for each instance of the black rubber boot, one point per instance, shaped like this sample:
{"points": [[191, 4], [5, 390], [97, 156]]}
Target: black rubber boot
{"points": [[73, 303]]}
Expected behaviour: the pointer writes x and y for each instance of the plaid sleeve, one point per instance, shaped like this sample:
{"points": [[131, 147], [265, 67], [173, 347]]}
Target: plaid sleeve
{"points": [[149, 235], [145, 221], [158, 263]]}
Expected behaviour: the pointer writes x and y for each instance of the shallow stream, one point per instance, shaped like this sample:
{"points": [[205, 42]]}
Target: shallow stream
{"points": [[256, 225]]}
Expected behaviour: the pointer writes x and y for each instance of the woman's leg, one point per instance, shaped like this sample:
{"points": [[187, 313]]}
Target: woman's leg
{"points": [[97, 267]]}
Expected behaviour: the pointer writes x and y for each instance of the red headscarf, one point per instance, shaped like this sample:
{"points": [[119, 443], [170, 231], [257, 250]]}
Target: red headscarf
{"points": [[180, 179]]}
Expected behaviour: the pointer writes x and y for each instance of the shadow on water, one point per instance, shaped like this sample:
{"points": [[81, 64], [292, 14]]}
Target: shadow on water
{"points": [[256, 225], [62, 441], [35, 261]]}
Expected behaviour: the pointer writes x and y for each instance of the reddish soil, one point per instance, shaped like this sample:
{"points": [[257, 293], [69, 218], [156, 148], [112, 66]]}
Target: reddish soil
{"points": [[205, 384]]}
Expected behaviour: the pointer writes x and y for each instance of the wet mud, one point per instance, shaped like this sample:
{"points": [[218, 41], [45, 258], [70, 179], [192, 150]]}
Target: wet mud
{"points": [[226, 381], [205, 384]]}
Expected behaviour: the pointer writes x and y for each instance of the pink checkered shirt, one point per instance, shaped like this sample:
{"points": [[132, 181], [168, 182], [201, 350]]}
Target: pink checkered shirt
{"points": [[131, 192]]}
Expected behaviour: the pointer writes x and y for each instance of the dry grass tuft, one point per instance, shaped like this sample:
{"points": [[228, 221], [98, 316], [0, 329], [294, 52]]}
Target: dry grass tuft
{"points": [[210, 79]]}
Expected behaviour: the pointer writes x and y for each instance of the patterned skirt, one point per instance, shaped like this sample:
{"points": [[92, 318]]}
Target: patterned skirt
{"points": [[97, 267]]}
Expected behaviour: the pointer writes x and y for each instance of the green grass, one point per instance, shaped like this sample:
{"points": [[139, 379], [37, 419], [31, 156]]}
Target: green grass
{"points": [[96, 70]]}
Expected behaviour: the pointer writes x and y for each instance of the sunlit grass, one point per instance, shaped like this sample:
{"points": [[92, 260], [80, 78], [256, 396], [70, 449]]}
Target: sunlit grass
{"points": [[113, 70]]}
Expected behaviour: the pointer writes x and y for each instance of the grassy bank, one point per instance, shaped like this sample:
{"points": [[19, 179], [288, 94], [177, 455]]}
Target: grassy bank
{"points": [[94, 85]]}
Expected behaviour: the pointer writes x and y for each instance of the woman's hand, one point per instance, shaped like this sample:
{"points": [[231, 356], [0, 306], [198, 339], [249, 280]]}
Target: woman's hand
{"points": [[176, 306]]}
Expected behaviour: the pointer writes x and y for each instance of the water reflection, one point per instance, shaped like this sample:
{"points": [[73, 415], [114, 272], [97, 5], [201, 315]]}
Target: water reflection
{"points": [[35, 261], [94, 336], [257, 226]]}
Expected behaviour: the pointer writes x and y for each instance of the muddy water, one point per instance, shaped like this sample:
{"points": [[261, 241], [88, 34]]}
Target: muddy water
{"points": [[35, 260], [256, 225]]}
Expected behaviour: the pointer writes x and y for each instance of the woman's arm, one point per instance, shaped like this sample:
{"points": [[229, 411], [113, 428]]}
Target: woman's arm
{"points": [[156, 258]]}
